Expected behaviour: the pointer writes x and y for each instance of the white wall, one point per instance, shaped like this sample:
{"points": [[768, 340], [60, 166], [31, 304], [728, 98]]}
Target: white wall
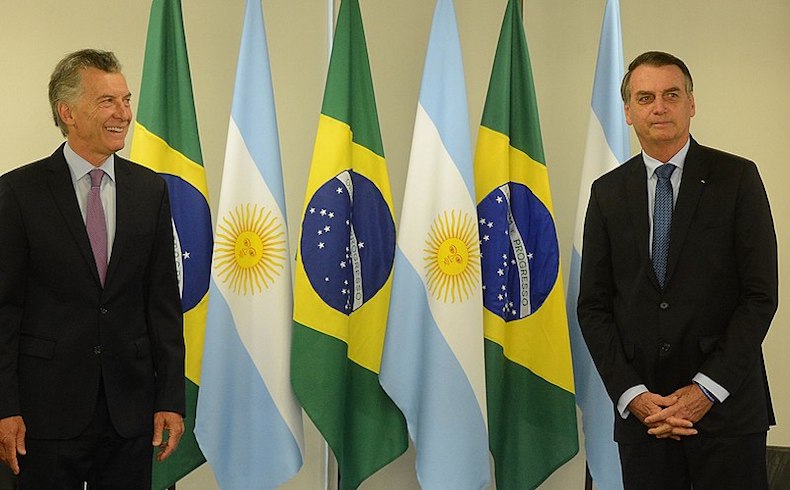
{"points": [[737, 52]]}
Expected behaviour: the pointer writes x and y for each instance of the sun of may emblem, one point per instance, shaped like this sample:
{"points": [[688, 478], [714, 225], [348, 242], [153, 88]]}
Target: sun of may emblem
{"points": [[250, 249], [452, 257]]}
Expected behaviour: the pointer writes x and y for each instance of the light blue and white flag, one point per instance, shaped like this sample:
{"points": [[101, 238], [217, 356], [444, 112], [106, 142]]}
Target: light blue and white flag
{"points": [[607, 147], [249, 425], [432, 365]]}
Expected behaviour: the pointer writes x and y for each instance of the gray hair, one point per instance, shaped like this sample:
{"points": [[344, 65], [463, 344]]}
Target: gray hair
{"points": [[654, 58], [65, 84]]}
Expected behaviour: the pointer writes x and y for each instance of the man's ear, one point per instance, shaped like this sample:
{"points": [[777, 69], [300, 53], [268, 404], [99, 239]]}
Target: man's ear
{"points": [[627, 110], [64, 111]]}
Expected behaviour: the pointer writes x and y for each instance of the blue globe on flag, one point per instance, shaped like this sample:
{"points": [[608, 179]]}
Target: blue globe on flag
{"points": [[520, 253], [193, 234], [348, 241]]}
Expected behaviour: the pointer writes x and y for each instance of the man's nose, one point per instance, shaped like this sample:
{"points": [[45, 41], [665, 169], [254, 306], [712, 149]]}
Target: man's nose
{"points": [[123, 111]]}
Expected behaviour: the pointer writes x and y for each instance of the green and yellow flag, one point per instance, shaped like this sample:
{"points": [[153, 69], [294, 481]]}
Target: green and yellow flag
{"points": [[166, 140], [343, 271], [529, 375]]}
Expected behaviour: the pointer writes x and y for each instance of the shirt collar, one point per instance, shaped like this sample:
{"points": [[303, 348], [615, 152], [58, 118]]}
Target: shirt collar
{"points": [[677, 160], [79, 167]]}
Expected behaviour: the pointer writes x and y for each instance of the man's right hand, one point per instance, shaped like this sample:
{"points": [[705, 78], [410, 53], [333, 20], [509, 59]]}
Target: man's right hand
{"points": [[12, 441], [646, 404]]}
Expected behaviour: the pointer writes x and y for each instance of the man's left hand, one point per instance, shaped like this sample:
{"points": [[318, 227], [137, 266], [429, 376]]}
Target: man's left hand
{"points": [[173, 423], [691, 406]]}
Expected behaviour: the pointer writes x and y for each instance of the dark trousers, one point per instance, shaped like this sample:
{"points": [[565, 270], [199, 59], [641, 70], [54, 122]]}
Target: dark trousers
{"points": [[98, 456], [7, 479], [696, 462]]}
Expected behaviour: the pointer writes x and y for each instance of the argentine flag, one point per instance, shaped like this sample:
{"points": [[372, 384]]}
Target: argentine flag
{"points": [[607, 147], [432, 365], [249, 424]]}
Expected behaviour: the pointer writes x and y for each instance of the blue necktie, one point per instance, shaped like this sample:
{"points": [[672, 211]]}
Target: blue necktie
{"points": [[662, 220]]}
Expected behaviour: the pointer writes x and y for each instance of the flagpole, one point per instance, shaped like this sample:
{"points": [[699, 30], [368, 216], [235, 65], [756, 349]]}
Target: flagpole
{"points": [[330, 34], [330, 27]]}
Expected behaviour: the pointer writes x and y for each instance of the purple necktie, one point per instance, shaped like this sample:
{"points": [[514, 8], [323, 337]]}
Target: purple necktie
{"points": [[95, 223]]}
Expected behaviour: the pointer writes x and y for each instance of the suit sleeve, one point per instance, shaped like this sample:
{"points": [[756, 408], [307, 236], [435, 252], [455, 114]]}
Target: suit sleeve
{"points": [[165, 318], [13, 265], [755, 247], [595, 306]]}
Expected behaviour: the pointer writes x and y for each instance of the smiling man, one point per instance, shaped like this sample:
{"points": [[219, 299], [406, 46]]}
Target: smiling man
{"points": [[91, 341], [678, 289]]}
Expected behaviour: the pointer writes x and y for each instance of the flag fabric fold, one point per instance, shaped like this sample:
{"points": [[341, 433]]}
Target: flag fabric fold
{"points": [[166, 140], [607, 146], [529, 378], [249, 423], [343, 275], [433, 364]]}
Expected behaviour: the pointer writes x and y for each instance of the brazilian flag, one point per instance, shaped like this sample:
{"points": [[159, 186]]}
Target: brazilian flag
{"points": [[343, 274], [166, 140], [529, 376]]}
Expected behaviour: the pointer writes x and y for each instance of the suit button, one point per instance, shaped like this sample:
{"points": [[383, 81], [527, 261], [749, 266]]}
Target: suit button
{"points": [[664, 305], [97, 350], [103, 310], [665, 347]]}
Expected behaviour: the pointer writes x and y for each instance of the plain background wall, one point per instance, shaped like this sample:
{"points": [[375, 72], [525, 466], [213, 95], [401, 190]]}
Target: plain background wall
{"points": [[737, 53]]}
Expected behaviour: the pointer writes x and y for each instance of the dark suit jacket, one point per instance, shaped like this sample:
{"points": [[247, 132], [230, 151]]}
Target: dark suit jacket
{"points": [[61, 333], [719, 298]]}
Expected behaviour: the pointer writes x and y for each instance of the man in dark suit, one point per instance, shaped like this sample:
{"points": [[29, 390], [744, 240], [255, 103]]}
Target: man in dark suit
{"points": [[676, 331], [91, 341]]}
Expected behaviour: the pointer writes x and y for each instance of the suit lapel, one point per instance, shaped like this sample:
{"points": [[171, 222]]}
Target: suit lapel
{"points": [[695, 171], [62, 188], [123, 209], [636, 190]]}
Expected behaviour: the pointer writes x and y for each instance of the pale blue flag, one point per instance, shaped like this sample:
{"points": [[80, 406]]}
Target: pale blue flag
{"points": [[433, 366], [249, 425], [607, 147]]}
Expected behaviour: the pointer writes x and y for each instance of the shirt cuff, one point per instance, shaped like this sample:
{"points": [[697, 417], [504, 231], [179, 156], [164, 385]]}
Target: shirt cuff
{"points": [[626, 397], [715, 388]]}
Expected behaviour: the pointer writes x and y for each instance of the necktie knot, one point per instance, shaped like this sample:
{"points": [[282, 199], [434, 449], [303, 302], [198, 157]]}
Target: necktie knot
{"points": [[665, 171], [97, 175]]}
